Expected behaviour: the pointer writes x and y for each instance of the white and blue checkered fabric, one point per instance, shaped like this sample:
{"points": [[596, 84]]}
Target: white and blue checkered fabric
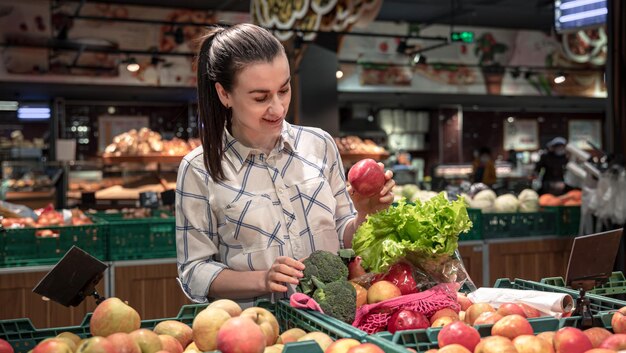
{"points": [[289, 203]]}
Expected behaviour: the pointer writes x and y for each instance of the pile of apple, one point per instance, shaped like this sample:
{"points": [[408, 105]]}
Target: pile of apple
{"points": [[512, 333], [222, 325]]}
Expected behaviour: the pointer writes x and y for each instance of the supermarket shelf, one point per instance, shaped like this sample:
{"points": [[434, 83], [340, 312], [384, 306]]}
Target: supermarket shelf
{"points": [[142, 159], [355, 157]]}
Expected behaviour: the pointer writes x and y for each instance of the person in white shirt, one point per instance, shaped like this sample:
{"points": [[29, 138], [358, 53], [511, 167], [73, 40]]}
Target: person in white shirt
{"points": [[260, 194]]}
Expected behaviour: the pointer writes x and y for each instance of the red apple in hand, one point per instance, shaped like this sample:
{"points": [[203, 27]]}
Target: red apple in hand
{"points": [[407, 320], [367, 177]]}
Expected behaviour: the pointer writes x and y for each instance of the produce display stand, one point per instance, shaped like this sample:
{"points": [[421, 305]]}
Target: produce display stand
{"points": [[519, 224], [568, 219], [141, 238], [29, 246], [150, 158], [23, 336], [615, 285]]}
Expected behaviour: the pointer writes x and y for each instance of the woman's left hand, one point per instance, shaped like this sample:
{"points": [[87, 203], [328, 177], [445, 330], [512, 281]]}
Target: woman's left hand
{"points": [[369, 205]]}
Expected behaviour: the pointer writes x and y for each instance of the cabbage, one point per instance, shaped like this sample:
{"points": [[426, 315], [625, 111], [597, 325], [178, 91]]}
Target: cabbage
{"points": [[484, 201], [528, 201], [506, 204], [409, 191]]}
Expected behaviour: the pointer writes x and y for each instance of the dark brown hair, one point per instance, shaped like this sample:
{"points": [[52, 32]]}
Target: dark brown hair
{"points": [[224, 52]]}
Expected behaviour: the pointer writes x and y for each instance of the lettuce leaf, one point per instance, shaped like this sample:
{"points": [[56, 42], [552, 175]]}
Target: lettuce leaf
{"points": [[421, 230]]}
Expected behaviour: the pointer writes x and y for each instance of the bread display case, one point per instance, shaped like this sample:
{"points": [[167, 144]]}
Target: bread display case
{"points": [[31, 183]]}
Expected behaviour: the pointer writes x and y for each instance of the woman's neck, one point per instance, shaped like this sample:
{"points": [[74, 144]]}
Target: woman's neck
{"points": [[264, 143]]}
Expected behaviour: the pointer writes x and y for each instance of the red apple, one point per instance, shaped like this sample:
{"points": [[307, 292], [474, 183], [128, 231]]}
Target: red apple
{"points": [[442, 321], [571, 340], [616, 342], [443, 313], [600, 350], [291, 335], [547, 336], [454, 348], [170, 344], [205, 327], [266, 320], [618, 321], [111, 316], [176, 329], [487, 318], [532, 344], [464, 301], [474, 311], [322, 339], [530, 311], [342, 345], [242, 335], [366, 348], [367, 177], [124, 343], [99, 345], [495, 344], [407, 320], [512, 326], [510, 309], [233, 309], [381, 291], [52, 346], [5, 347], [460, 333], [355, 269], [597, 335], [147, 340]]}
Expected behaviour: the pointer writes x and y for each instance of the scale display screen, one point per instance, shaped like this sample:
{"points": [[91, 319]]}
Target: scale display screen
{"points": [[572, 15]]}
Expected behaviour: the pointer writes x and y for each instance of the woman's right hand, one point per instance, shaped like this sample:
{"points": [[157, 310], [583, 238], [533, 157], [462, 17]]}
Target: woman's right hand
{"points": [[283, 270]]}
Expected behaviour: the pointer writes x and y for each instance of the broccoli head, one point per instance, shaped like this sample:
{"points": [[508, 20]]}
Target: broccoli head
{"points": [[337, 299], [325, 266]]}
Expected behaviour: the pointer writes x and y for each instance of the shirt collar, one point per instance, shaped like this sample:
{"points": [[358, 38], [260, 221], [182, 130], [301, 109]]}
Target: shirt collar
{"points": [[237, 153]]}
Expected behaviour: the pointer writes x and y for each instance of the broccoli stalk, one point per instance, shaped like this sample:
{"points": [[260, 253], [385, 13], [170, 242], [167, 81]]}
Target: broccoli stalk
{"points": [[337, 299]]}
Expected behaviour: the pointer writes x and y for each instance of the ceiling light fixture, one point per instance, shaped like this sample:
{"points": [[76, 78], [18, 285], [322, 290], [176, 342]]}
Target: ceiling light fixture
{"points": [[560, 78], [132, 65], [339, 74]]}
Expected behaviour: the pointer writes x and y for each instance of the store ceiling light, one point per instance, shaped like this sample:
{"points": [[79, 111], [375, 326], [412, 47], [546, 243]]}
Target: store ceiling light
{"points": [[9, 106], [560, 78], [33, 112], [339, 74], [132, 65], [511, 119]]}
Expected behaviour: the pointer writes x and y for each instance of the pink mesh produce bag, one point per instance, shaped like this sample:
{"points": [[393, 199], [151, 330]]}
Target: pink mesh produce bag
{"points": [[373, 318]]}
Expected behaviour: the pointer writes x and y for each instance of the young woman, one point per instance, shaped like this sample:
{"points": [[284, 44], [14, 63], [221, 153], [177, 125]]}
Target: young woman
{"points": [[260, 194]]}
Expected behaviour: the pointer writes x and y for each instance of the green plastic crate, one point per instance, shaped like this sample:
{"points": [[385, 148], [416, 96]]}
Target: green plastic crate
{"points": [[519, 224], [568, 221], [476, 233], [22, 246], [142, 238], [615, 285], [23, 336], [598, 303]]}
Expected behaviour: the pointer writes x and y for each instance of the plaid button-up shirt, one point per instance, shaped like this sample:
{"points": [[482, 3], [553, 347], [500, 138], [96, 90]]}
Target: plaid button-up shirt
{"points": [[289, 203]]}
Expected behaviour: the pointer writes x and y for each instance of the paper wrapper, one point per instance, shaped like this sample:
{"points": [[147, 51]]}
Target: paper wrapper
{"points": [[552, 304]]}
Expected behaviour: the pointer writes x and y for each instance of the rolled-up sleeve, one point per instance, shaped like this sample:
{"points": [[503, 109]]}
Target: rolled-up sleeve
{"points": [[344, 211], [196, 232]]}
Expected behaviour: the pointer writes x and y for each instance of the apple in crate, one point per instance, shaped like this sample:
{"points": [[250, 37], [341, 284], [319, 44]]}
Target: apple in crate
{"points": [[616, 342], [407, 320], [266, 321], [495, 344], [232, 308], [532, 344], [147, 340], [618, 321], [111, 316], [342, 345], [52, 346], [367, 177], [571, 340], [124, 343], [510, 309], [460, 333], [512, 326], [176, 329], [242, 335], [381, 291], [100, 345], [446, 312], [487, 318], [474, 311], [205, 327], [454, 348], [291, 335], [170, 344], [322, 339], [366, 348], [597, 335], [5, 347]]}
